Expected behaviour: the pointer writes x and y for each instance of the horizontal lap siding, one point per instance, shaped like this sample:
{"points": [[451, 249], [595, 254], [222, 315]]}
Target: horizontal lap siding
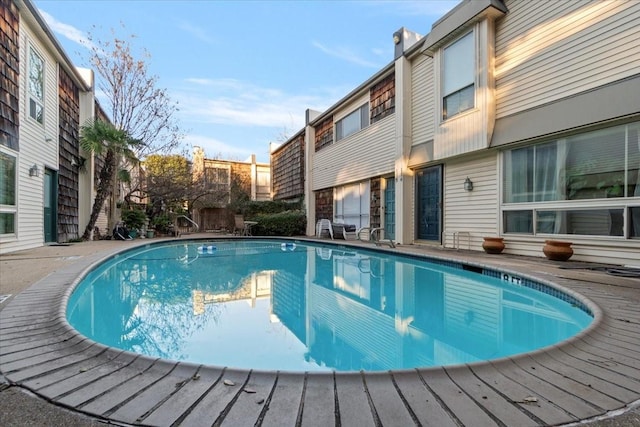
{"points": [[474, 211], [361, 156], [34, 149], [422, 102], [572, 47]]}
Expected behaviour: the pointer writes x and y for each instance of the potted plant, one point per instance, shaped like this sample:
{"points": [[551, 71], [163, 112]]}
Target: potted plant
{"points": [[557, 250], [493, 245], [133, 220]]}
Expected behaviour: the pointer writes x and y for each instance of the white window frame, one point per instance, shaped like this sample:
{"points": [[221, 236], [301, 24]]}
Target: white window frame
{"points": [[361, 114], [356, 212], [33, 98], [459, 86], [11, 209]]}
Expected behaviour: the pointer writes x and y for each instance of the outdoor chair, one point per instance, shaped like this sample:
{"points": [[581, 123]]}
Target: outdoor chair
{"points": [[240, 227], [324, 225]]}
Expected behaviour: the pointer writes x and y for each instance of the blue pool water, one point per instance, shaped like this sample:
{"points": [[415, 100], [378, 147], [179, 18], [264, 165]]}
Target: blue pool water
{"points": [[279, 305]]}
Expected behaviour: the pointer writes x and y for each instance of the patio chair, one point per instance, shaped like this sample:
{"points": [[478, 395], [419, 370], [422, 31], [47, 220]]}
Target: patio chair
{"points": [[324, 225], [240, 228], [347, 231]]}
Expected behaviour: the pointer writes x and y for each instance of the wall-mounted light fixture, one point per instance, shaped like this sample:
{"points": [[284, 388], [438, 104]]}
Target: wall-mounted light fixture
{"points": [[34, 171], [468, 185]]}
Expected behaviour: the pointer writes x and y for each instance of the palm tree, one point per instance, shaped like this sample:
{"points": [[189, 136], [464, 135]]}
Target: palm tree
{"points": [[104, 139]]}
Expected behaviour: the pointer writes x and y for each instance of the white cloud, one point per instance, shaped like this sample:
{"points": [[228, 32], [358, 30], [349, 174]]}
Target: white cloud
{"points": [[233, 102], [198, 32], [67, 31], [215, 148], [346, 54]]}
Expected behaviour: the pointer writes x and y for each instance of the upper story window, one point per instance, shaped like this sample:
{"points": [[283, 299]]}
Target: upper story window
{"points": [[358, 119], [36, 86], [458, 76], [218, 178]]}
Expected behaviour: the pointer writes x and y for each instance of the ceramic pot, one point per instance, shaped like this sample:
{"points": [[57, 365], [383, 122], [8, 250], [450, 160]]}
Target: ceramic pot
{"points": [[557, 250], [493, 245]]}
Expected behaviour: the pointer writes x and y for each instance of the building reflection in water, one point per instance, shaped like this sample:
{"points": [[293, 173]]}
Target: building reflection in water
{"points": [[350, 310]]}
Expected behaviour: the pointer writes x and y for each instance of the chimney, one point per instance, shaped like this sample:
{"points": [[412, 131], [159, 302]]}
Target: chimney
{"points": [[403, 39]]}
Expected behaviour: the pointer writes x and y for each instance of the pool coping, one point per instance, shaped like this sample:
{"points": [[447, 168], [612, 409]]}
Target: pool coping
{"points": [[588, 376]]}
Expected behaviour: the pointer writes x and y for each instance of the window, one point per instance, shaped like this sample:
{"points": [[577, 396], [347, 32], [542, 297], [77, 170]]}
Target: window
{"points": [[36, 86], [218, 179], [7, 193], [352, 204], [560, 180], [458, 76], [352, 123]]}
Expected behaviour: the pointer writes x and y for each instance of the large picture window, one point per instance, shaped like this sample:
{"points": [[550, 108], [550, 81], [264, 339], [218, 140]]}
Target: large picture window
{"points": [[561, 180], [458, 76], [352, 204], [355, 121], [36, 86], [7, 193]]}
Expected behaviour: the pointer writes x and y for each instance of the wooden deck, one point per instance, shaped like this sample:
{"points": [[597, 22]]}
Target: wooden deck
{"points": [[585, 377]]}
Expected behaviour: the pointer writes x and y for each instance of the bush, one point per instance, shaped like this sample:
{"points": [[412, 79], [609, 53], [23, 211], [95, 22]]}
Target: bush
{"points": [[162, 223], [288, 223], [133, 219]]}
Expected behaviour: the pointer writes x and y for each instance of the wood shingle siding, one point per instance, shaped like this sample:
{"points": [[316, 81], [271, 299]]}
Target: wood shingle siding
{"points": [[9, 74], [69, 116], [324, 134], [287, 170]]}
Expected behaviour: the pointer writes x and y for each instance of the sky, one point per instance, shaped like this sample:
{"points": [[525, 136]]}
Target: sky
{"points": [[244, 72]]}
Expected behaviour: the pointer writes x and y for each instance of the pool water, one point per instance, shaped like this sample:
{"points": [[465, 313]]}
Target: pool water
{"points": [[302, 306]]}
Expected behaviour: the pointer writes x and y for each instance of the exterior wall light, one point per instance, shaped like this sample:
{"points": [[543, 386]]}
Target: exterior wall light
{"points": [[468, 185], [34, 171]]}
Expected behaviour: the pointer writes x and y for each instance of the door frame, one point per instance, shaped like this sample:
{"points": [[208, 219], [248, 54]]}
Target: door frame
{"points": [[50, 221], [440, 190]]}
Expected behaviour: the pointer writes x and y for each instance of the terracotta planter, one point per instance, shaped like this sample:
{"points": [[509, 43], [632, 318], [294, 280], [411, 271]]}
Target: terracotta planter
{"points": [[557, 250], [493, 245]]}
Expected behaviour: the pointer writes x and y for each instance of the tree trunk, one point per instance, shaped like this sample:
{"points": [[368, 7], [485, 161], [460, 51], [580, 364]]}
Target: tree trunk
{"points": [[107, 175]]}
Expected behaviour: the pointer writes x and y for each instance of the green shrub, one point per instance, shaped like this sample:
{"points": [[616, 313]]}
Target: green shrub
{"points": [[133, 219], [162, 223], [288, 223]]}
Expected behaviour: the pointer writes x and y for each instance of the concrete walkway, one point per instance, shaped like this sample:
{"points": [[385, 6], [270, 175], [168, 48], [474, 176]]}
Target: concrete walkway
{"points": [[593, 379]]}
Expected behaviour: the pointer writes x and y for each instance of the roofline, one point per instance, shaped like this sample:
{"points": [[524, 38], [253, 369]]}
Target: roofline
{"points": [[69, 67], [377, 76]]}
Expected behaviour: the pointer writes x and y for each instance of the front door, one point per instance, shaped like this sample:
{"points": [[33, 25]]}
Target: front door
{"points": [[390, 208], [429, 201], [50, 205]]}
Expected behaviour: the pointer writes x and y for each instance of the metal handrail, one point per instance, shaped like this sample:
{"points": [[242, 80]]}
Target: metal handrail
{"points": [[190, 220]]}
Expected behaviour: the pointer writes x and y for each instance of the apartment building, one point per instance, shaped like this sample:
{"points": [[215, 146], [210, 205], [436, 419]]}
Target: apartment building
{"points": [[47, 183], [507, 119]]}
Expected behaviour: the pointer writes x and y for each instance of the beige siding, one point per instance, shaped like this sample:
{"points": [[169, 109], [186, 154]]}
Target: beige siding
{"points": [[474, 212], [360, 156], [34, 148], [423, 103], [547, 53]]}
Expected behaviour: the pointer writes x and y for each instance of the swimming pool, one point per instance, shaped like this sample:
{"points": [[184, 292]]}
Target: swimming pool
{"points": [[303, 306]]}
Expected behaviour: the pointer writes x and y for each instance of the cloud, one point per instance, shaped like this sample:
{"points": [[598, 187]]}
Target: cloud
{"points": [[198, 32], [67, 31], [346, 54], [238, 103], [215, 148]]}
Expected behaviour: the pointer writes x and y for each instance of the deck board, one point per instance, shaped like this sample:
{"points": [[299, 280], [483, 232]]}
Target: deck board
{"points": [[585, 377]]}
